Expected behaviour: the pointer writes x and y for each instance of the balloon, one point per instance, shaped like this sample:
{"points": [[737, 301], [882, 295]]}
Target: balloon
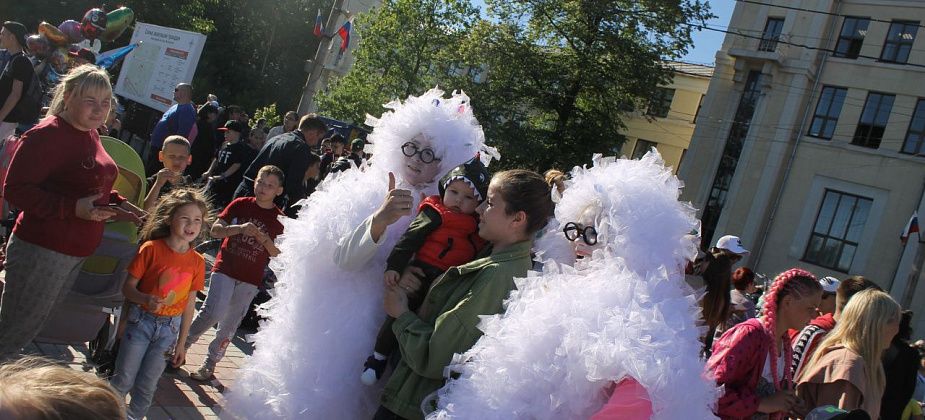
{"points": [[71, 28], [94, 45], [53, 34], [116, 23], [93, 23], [38, 45]]}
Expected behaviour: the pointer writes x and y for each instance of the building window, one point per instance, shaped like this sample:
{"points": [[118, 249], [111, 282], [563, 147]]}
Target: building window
{"points": [[873, 120], [660, 103], [853, 31], [899, 41], [837, 232], [827, 110], [771, 35], [735, 141], [697, 112], [642, 147], [915, 137]]}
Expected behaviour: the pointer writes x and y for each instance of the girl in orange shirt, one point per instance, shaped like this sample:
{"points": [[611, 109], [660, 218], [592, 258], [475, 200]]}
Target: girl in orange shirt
{"points": [[162, 283]]}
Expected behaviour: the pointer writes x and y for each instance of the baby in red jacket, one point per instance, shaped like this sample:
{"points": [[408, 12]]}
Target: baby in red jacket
{"points": [[444, 234]]}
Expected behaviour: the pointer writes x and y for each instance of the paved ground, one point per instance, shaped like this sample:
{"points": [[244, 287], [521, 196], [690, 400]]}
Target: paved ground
{"points": [[178, 396]]}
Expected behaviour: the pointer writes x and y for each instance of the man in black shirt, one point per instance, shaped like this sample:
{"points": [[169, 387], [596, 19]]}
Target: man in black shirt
{"points": [[291, 152], [15, 76]]}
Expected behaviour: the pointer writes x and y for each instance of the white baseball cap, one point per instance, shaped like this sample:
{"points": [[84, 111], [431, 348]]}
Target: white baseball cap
{"points": [[829, 284], [732, 244]]}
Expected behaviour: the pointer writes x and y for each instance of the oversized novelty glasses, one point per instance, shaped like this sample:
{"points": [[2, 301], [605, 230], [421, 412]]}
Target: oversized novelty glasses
{"points": [[426, 154], [573, 232]]}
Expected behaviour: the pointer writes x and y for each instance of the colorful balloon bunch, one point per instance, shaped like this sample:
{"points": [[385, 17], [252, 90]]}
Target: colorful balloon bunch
{"points": [[54, 42]]}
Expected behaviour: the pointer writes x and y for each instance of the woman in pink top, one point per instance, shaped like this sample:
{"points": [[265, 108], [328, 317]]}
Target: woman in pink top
{"points": [[751, 359], [846, 370]]}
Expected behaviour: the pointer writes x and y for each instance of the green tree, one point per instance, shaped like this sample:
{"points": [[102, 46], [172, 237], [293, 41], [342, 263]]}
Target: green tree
{"points": [[270, 113], [562, 72], [254, 54], [406, 47]]}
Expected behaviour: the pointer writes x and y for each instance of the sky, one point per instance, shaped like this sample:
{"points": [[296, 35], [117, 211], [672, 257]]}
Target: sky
{"points": [[706, 43]]}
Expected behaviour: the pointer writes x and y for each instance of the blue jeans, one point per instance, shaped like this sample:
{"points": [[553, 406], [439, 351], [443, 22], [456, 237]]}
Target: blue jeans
{"points": [[148, 342]]}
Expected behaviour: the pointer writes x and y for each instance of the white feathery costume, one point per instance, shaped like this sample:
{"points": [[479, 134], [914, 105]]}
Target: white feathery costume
{"points": [[323, 319], [568, 334]]}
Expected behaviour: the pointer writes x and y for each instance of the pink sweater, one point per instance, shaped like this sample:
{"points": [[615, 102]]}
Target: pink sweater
{"points": [[738, 358]]}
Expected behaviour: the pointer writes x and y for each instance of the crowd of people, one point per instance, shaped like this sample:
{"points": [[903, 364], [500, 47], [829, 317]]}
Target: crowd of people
{"points": [[415, 283]]}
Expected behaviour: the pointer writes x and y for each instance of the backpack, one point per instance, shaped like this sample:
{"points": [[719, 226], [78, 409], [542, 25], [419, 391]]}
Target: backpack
{"points": [[30, 103]]}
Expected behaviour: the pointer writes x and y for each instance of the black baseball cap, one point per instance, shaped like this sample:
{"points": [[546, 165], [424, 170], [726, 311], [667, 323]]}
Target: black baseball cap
{"points": [[233, 125]]}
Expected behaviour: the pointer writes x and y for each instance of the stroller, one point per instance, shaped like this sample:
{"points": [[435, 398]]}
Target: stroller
{"points": [[97, 293]]}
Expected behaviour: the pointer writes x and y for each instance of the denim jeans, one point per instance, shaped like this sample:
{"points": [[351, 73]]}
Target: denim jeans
{"points": [[226, 304], [148, 342]]}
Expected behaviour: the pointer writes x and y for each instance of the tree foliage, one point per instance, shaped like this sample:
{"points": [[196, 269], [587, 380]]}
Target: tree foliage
{"points": [[270, 113], [255, 49], [406, 47], [560, 73], [563, 72]]}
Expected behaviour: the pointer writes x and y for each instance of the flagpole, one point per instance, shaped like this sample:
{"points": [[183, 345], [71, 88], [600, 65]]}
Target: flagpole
{"points": [[918, 260], [306, 104]]}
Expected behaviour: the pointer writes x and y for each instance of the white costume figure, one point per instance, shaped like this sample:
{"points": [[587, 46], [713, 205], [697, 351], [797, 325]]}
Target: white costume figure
{"points": [[623, 311], [327, 304]]}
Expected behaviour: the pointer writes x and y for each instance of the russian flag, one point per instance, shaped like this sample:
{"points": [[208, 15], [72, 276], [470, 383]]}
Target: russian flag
{"points": [[344, 33], [318, 28], [911, 227]]}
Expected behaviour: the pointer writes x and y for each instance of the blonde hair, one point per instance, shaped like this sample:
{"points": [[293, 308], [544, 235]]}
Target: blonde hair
{"points": [[37, 388], [158, 224], [272, 170], [175, 139], [859, 329], [76, 83], [554, 176]]}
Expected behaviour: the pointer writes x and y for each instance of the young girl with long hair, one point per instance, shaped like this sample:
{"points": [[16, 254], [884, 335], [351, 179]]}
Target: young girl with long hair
{"points": [[751, 359], [846, 370], [162, 284]]}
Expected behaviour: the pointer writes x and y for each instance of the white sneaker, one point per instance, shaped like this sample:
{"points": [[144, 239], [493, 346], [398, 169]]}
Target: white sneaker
{"points": [[204, 373], [369, 377]]}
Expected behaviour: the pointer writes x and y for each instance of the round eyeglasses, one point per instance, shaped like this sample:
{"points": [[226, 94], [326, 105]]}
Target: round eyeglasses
{"points": [[573, 231], [426, 154]]}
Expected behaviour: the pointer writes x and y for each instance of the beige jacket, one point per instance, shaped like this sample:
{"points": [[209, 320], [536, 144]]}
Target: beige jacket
{"points": [[839, 379]]}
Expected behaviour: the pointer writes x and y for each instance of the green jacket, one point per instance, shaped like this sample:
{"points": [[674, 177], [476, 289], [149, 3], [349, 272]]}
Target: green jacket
{"points": [[446, 324]]}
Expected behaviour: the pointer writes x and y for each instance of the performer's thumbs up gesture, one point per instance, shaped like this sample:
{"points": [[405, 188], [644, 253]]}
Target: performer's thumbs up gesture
{"points": [[397, 204]]}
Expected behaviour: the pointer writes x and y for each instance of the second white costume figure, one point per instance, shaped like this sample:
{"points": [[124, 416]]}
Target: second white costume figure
{"points": [[623, 315]]}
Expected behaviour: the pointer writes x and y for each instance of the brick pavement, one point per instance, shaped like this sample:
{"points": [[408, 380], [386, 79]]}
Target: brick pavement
{"points": [[178, 397]]}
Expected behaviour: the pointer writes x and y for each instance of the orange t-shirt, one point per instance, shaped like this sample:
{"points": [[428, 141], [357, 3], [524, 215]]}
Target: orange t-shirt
{"points": [[166, 273]]}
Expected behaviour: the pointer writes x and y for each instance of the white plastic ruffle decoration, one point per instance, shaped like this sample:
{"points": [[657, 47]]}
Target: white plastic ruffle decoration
{"points": [[323, 319], [569, 333]]}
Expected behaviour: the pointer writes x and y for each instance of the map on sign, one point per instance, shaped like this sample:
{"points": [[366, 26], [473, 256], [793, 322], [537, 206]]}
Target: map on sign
{"points": [[165, 57]]}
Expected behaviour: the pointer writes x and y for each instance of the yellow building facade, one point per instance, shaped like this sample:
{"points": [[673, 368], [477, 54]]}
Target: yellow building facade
{"points": [[810, 144], [667, 123]]}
